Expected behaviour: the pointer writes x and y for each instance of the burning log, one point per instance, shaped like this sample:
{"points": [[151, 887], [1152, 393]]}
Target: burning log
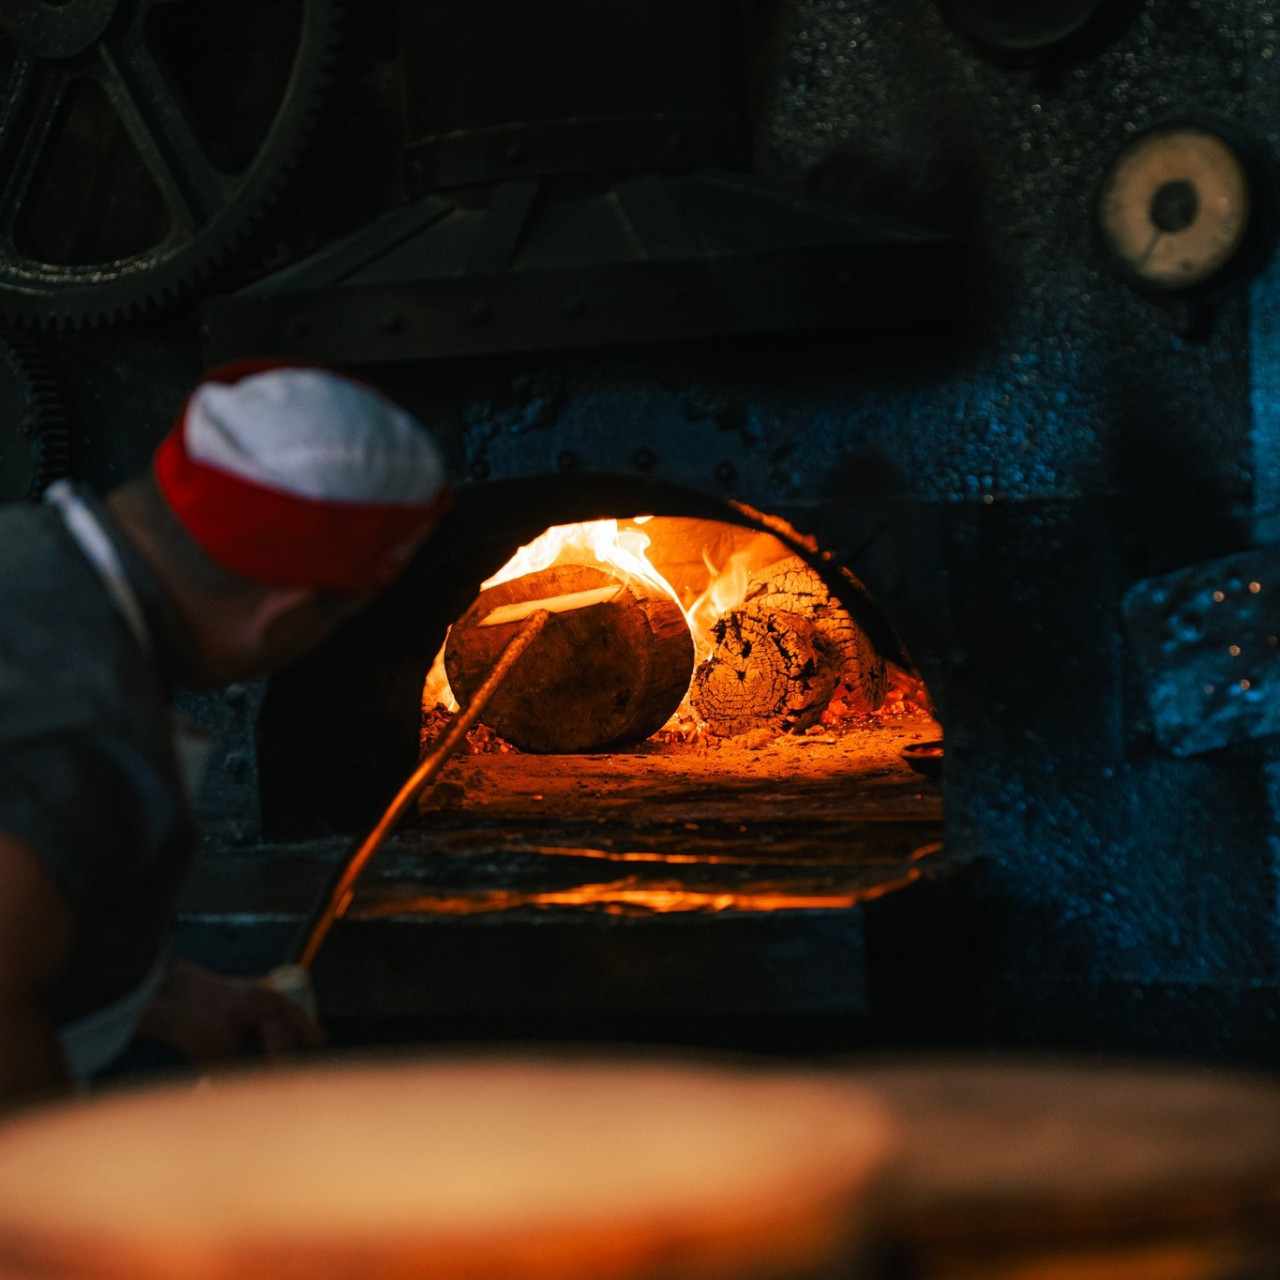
{"points": [[780, 656], [766, 673], [793, 586], [611, 666]]}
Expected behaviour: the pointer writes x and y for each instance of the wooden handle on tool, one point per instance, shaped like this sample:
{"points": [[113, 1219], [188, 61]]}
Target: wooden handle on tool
{"points": [[335, 906]]}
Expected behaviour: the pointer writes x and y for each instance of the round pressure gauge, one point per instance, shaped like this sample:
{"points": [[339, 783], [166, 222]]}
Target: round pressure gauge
{"points": [[1016, 26], [1182, 209]]}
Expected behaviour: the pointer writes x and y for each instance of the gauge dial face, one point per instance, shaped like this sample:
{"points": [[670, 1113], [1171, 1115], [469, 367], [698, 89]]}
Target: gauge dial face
{"points": [[1175, 207], [1016, 25]]}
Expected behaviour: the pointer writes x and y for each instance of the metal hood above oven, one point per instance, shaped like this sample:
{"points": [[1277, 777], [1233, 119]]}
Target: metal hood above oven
{"points": [[549, 264]]}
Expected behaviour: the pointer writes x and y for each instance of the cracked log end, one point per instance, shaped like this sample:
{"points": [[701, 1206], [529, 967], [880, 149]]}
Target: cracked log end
{"points": [[781, 655], [765, 673]]}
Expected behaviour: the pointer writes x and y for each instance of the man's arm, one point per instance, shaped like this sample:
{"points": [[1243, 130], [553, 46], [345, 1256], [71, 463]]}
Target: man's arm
{"points": [[36, 929]]}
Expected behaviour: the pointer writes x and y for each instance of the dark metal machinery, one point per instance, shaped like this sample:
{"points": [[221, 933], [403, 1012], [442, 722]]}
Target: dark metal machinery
{"points": [[143, 145], [586, 189]]}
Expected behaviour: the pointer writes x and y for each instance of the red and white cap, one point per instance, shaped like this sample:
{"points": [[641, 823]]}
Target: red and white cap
{"points": [[294, 475]]}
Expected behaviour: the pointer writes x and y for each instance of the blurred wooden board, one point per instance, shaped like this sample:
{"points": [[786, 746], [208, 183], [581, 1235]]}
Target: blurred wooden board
{"points": [[1017, 1167], [481, 1168]]}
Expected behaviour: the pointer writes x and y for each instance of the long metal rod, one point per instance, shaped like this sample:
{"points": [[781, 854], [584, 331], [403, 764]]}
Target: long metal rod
{"points": [[335, 906]]}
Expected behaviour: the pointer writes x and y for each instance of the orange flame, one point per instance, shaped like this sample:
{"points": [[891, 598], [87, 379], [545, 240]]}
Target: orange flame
{"points": [[725, 591], [592, 542], [435, 689]]}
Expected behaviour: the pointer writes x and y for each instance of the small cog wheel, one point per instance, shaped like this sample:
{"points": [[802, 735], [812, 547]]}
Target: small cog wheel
{"points": [[35, 435], [143, 143]]}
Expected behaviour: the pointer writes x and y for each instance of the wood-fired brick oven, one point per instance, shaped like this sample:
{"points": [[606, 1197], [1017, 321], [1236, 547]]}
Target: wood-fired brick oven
{"points": [[976, 296]]}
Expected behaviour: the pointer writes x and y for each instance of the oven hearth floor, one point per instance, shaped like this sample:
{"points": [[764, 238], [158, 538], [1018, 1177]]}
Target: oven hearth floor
{"points": [[826, 777]]}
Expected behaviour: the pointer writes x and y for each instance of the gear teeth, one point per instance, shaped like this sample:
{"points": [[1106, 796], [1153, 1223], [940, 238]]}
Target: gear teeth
{"points": [[47, 425]]}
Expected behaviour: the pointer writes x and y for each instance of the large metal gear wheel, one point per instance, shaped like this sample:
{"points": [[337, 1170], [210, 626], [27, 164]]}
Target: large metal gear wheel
{"points": [[143, 142], [35, 437]]}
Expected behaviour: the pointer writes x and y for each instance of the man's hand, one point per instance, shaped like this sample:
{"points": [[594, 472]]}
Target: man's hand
{"points": [[211, 1018]]}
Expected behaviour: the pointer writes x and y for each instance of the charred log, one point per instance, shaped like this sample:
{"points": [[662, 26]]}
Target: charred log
{"points": [[781, 655], [609, 668], [767, 672], [791, 586]]}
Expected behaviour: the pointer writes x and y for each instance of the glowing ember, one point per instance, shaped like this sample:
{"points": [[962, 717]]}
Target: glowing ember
{"points": [[631, 897], [905, 696]]}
